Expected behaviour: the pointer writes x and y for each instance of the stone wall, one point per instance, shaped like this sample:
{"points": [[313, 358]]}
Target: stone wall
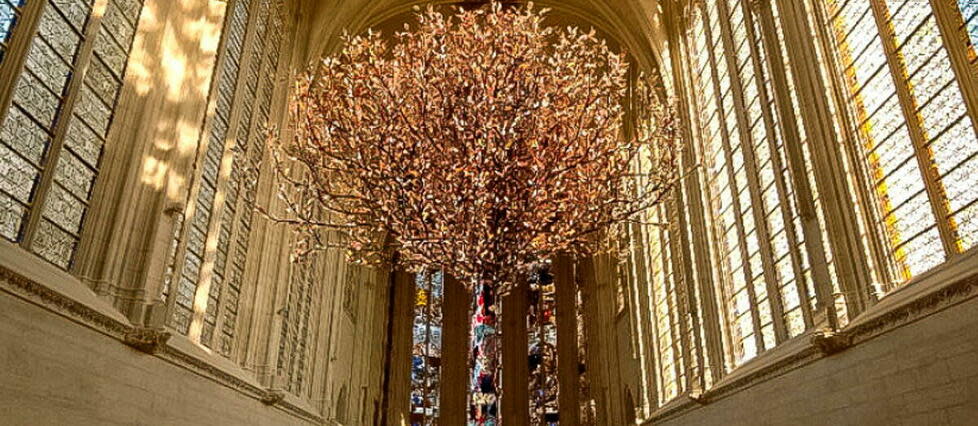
{"points": [[56, 371]]}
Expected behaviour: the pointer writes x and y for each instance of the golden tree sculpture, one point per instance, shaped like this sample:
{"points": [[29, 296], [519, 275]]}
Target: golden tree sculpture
{"points": [[479, 142]]}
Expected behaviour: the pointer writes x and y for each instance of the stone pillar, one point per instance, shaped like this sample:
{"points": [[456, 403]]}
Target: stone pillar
{"points": [[515, 407], [568, 375], [150, 147], [596, 276], [397, 395], [455, 353]]}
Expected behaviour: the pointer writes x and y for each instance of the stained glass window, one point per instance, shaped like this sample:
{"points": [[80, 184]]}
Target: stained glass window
{"points": [[924, 137], [729, 200], [47, 183], [245, 179], [777, 202], [542, 338], [292, 362], [907, 151], [230, 223], [426, 348], [763, 266], [199, 224]]}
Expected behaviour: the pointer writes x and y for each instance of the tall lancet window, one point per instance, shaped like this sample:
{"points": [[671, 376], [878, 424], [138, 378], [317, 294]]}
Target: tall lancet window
{"points": [[918, 142], [426, 351], [66, 78], [542, 330]]}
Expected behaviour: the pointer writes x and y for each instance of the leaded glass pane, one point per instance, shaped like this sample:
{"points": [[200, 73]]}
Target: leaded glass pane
{"points": [[12, 217], [9, 16], [17, 175], [64, 209], [54, 244], [74, 11]]}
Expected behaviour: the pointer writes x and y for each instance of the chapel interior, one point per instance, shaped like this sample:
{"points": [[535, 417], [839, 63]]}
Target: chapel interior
{"points": [[815, 264]]}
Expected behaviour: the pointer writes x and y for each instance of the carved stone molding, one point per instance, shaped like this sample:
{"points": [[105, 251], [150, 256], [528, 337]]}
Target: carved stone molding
{"points": [[148, 340], [829, 342], [53, 301], [921, 307], [272, 397]]}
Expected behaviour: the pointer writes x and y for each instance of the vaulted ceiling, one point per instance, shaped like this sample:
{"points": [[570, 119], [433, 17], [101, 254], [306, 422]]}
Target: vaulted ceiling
{"points": [[634, 25]]}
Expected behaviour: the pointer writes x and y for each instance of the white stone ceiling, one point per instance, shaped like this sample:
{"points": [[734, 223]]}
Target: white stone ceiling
{"points": [[633, 24]]}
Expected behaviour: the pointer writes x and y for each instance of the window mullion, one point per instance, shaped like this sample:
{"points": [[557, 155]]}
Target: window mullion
{"points": [[650, 234], [669, 287], [639, 284], [908, 104], [869, 207], [751, 168], [731, 176], [704, 268], [680, 288], [781, 185], [959, 49], [692, 302], [637, 270], [655, 347]]}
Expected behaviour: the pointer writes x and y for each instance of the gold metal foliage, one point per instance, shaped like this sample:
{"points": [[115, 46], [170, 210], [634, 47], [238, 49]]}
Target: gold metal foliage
{"points": [[477, 142]]}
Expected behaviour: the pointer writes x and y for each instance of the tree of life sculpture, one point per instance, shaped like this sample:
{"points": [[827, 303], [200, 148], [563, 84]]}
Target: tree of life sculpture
{"points": [[478, 143]]}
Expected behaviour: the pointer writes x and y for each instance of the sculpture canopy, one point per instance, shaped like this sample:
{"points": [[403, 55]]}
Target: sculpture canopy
{"points": [[479, 143]]}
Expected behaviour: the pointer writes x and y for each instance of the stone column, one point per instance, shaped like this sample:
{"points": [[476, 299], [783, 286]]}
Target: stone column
{"points": [[397, 395], [149, 153], [568, 375], [595, 277], [455, 353], [515, 407]]}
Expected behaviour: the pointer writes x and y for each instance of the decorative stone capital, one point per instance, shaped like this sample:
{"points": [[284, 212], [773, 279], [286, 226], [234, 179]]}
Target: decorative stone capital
{"points": [[272, 397], [148, 340], [829, 342]]}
